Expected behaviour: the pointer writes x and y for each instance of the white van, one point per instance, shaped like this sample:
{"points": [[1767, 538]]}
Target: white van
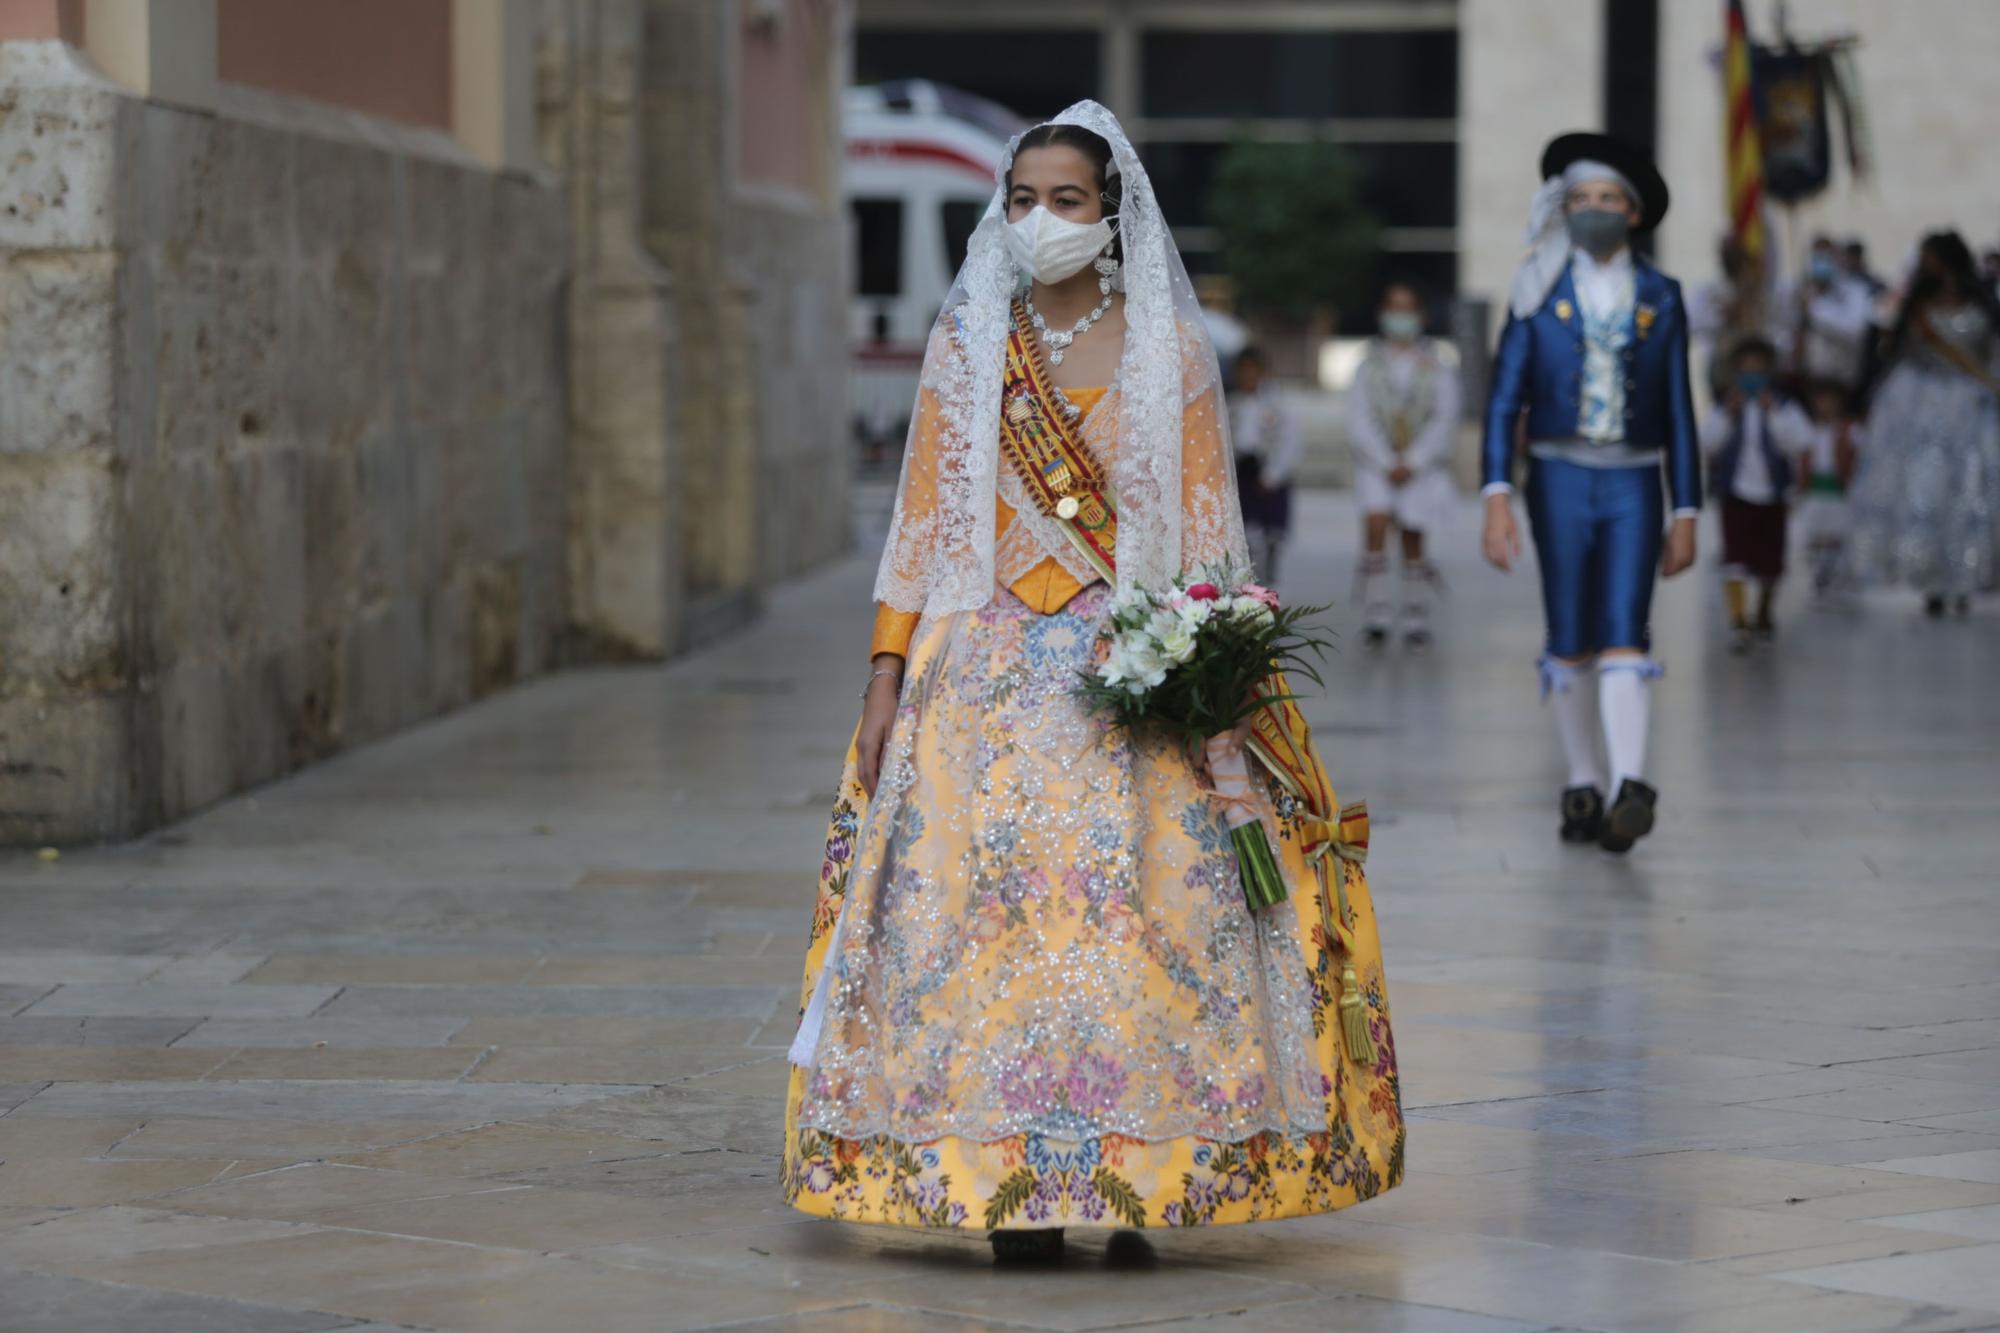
{"points": [[921, 163]]}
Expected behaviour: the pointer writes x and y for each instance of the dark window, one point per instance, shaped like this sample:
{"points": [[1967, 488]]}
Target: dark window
{"points": [[878, 235], [1311, 75], [1402, 184], [1410, 184], [961, 218], [1180, 173], [1034, 73]]}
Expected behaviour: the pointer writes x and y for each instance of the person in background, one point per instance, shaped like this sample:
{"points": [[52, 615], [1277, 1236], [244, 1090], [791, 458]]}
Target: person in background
{"points": [[1267, 446], [1828, 467], [1750, 437], [1726, 307], [1402, 415], [1989, 269], [1854, 263], [1831, 313], [1927, 497], [1594, 360]]}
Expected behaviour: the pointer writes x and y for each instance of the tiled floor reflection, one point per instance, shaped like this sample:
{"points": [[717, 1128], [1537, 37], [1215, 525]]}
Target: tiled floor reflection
{"points": [[482, 1028]]}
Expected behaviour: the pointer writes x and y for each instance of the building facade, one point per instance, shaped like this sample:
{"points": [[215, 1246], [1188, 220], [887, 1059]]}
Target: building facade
{"points": [[1378, 77], [347, 372], [1446, 103], [1650, 69]]}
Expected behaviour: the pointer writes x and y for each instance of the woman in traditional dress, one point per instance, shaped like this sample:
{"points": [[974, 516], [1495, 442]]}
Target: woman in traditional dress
{"points": [[1034, 994], [1927, 500]]}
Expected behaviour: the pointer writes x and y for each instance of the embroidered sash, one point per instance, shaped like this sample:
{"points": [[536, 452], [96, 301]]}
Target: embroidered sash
{"points": [[1953, 355], [1041, 440]]}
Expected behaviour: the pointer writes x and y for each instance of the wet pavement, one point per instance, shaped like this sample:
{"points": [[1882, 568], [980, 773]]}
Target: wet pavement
{"points": [[483, 1027]]}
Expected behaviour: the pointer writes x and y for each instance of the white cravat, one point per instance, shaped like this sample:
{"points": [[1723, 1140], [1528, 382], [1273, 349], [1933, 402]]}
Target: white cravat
{"points": [[1604, 288]]}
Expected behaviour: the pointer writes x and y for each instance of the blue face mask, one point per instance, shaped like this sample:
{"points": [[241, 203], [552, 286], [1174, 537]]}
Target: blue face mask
{"points": [[1822, 268], [1753, 382]]}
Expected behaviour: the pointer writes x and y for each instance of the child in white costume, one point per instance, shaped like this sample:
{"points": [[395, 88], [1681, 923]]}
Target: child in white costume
{"points": [[1402, 421], [1827, 466]]}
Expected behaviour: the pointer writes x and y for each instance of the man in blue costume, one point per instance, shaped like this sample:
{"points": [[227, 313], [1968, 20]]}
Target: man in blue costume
{"points": [[1592, 372]]}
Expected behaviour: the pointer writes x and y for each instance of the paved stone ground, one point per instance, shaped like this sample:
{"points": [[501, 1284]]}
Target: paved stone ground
{"points": [[481, 1028]]}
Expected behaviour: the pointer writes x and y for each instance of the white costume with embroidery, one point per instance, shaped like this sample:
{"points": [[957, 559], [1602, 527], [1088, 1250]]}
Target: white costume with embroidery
{"points": [[1404, 408]]}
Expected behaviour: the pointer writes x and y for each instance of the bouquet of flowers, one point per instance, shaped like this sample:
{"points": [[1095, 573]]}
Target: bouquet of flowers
{"points": [[1196, 661]]}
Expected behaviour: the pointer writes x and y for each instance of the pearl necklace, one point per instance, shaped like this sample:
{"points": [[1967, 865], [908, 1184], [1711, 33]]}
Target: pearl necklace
{"points": [[1060, 340]]}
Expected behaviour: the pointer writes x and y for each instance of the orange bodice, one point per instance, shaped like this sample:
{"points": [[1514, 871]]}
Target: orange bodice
{"points": [[1047, 587]]}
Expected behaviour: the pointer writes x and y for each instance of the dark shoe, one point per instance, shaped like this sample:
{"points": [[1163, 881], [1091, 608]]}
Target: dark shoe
{"points": [[1934, 607], [1583, 814], [1043, 1246], [1376, 636], [1630, 817], [1130, 1250], [1739, 641], [1961, 606], [1417, 641]]}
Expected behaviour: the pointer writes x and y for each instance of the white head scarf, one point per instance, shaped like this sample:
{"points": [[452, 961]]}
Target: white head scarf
{"points": [[940, 553], [1549, 246]]}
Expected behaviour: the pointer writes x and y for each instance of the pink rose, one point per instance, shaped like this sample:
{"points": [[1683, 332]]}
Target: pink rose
{"points": [[1261, 593], [1204, 592]]}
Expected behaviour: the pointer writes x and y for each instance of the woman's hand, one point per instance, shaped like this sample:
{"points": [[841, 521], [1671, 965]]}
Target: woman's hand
{"points": [[1502, 539], [878, 715]]}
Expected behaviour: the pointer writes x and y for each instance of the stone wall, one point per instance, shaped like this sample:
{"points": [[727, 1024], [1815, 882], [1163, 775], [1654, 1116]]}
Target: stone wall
{"points": [[795, 324], [282, 426], [760, 444], [708, 453]]}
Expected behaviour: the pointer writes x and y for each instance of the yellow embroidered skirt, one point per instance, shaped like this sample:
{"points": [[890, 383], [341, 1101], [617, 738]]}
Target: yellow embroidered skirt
{"points": [[1034, 995]]}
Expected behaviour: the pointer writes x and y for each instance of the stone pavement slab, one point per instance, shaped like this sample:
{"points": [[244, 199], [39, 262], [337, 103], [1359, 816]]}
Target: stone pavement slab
{"points": [[93, 1031], [52, 1303], [481, 1027], [361, 1032], [312, 1099], [610, 1001], [212, 1000]]}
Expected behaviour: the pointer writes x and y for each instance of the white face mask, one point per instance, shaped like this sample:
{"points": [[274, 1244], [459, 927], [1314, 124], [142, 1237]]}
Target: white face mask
{"points": [[1053, 248]]}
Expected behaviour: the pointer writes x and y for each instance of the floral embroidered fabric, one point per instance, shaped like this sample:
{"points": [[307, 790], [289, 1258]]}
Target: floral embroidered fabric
{"points": [[1046, 930]]}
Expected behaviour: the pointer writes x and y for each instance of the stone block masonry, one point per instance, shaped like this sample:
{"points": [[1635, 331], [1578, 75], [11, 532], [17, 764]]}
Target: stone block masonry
{"points": [[282, 433]]}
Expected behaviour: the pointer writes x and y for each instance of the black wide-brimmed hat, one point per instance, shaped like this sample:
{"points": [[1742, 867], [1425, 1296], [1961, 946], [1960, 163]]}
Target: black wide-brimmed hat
{"points": [[1632, 162]]}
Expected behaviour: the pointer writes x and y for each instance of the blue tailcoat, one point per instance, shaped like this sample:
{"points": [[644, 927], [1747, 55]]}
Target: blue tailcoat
{"points": [[1540, 367], [1597, 530]]}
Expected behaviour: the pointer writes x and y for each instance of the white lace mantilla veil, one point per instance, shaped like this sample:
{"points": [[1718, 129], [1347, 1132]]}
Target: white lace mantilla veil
{"points": [[940, 557]]}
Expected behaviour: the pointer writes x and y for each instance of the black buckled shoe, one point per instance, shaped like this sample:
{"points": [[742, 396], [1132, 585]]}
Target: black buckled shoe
{"points": [[1039, 1246], [1583, 814], [1630, 817]]}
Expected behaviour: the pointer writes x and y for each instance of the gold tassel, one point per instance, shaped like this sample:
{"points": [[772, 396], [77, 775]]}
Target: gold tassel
{"points": [[1354, 1018]]}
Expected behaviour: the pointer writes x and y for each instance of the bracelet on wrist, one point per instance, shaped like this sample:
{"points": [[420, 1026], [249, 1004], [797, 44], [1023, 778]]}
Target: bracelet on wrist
{"points": [[880, 672]]}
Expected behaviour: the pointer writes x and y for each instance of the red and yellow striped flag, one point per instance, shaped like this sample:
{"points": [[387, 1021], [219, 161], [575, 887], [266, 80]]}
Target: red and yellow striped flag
{"points": [[1745, 151]]}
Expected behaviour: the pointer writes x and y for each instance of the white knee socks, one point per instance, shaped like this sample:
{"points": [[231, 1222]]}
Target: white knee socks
{"points": [[1374, 579], [1623, 701], [1416, 596], [1572, 695]]}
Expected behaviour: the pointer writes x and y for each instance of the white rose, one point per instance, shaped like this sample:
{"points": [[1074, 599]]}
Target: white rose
{"points": [[1250, 609], [1177, 642]]}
